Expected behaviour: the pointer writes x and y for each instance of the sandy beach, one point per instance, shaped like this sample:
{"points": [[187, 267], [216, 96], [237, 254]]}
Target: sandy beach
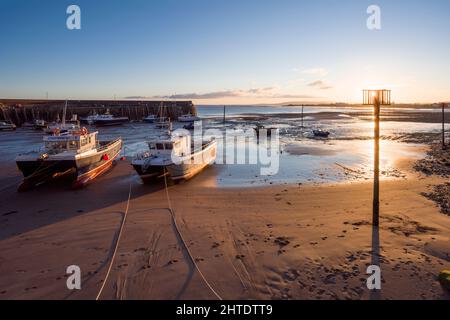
{"points": [[278, 242]]}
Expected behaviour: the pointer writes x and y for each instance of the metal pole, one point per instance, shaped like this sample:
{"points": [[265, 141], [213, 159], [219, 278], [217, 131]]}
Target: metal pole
{"points": [[224, 110], [302, 117], [443, 127], [376, 178]]}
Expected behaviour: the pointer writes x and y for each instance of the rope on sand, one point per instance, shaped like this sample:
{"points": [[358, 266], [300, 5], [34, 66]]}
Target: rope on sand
{"points": [[116, 246], [172, 213]]}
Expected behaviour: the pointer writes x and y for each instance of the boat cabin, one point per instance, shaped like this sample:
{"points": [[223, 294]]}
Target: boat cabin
{"points": [[77, 142], [178, 145]]}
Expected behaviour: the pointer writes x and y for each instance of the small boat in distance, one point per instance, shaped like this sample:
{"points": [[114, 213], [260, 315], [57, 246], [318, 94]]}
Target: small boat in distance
{"points": [[321, 134], [163, 123], [151, 118], [7, 126], [189, 126], [163, 152], [188, 118], [76, 154], [107, 119], [261, 128], [40, 125]]}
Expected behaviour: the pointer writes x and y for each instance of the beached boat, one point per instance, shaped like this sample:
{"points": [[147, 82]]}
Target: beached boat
{"points": [[7, 126], [175, 154], [107, 119], [151, 118], [321, 133], [77, 155], [188, 118]]}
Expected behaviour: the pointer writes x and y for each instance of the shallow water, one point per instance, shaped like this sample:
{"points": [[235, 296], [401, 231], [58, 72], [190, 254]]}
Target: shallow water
{"points": [[346, 156]]}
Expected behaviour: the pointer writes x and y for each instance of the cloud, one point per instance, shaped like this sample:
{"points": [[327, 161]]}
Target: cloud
{"points": [[320, 72], [320, 85], [264, 92]]}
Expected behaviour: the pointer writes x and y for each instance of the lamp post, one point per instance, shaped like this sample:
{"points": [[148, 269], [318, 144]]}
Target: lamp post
{"points": [[377, 98]]}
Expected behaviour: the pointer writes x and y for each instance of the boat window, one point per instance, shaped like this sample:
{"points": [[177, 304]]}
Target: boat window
{"points": [[168, 146], [56, 145], [73, 145], [159, 146]]}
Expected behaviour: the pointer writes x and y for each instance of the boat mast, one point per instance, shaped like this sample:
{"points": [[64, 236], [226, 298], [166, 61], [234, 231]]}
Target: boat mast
{"points": [[64, 115]]}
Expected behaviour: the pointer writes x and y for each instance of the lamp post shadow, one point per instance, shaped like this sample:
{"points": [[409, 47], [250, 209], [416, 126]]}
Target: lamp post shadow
{"points": [[375, 261]]}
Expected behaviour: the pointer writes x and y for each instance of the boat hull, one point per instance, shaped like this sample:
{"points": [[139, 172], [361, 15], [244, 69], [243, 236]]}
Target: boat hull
{"points": [[110, 122], [150, 173], [198, 162]]}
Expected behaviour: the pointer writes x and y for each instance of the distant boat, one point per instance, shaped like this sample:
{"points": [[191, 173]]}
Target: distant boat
{"points": [[89, 119], [65, 125], [189, 126], [321, 133], [154, 163], [188, 118], [40, 125], [7, 126], [76, 154], [260, 128], [151, 118], [108, 119]]}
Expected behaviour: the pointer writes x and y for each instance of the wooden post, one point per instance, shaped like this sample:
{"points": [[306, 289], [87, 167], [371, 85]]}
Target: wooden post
{"points": [[443, 126], [302, 116], [224, 110], [376, 170]]}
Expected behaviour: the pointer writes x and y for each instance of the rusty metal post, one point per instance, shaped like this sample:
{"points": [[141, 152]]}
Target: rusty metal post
{"points": [[376, 170]]}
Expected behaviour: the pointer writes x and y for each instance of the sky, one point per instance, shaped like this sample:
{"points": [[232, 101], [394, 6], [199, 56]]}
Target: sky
{"points": [[225, 51]]}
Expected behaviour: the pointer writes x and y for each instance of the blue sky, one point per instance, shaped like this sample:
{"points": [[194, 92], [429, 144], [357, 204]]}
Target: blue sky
{"points": [[225, 51]]}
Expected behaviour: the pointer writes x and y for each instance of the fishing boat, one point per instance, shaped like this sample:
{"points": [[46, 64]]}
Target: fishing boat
{"points": [[40, 124], [321, 134], [188, 118], [176, 155], [107, 119], [77, 155], [7, 126], [189, 126], [151, 118]]}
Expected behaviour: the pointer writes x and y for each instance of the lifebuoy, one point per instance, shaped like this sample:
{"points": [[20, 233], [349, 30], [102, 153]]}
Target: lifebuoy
{"points": [[84, 131]]}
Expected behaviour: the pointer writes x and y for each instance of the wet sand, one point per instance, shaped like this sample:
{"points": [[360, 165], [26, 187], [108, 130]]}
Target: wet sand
{"points": [[278, 242]]}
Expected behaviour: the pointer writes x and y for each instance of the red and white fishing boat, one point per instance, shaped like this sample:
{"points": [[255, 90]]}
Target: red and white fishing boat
{"points": [[76, 154]]}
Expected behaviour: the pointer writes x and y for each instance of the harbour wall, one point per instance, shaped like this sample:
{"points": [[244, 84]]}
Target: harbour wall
{"points": [[20, 111]]}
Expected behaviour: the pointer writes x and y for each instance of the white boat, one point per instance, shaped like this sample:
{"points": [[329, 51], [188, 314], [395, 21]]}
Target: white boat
{"points": [[163, 123], [7, 126], [175, 154], [107, 119], [188, 118], [77, 155], [151, 118]]}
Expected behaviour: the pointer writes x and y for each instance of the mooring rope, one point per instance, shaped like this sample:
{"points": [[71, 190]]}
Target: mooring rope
{"points": [[116, 246], [172, 213]]}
